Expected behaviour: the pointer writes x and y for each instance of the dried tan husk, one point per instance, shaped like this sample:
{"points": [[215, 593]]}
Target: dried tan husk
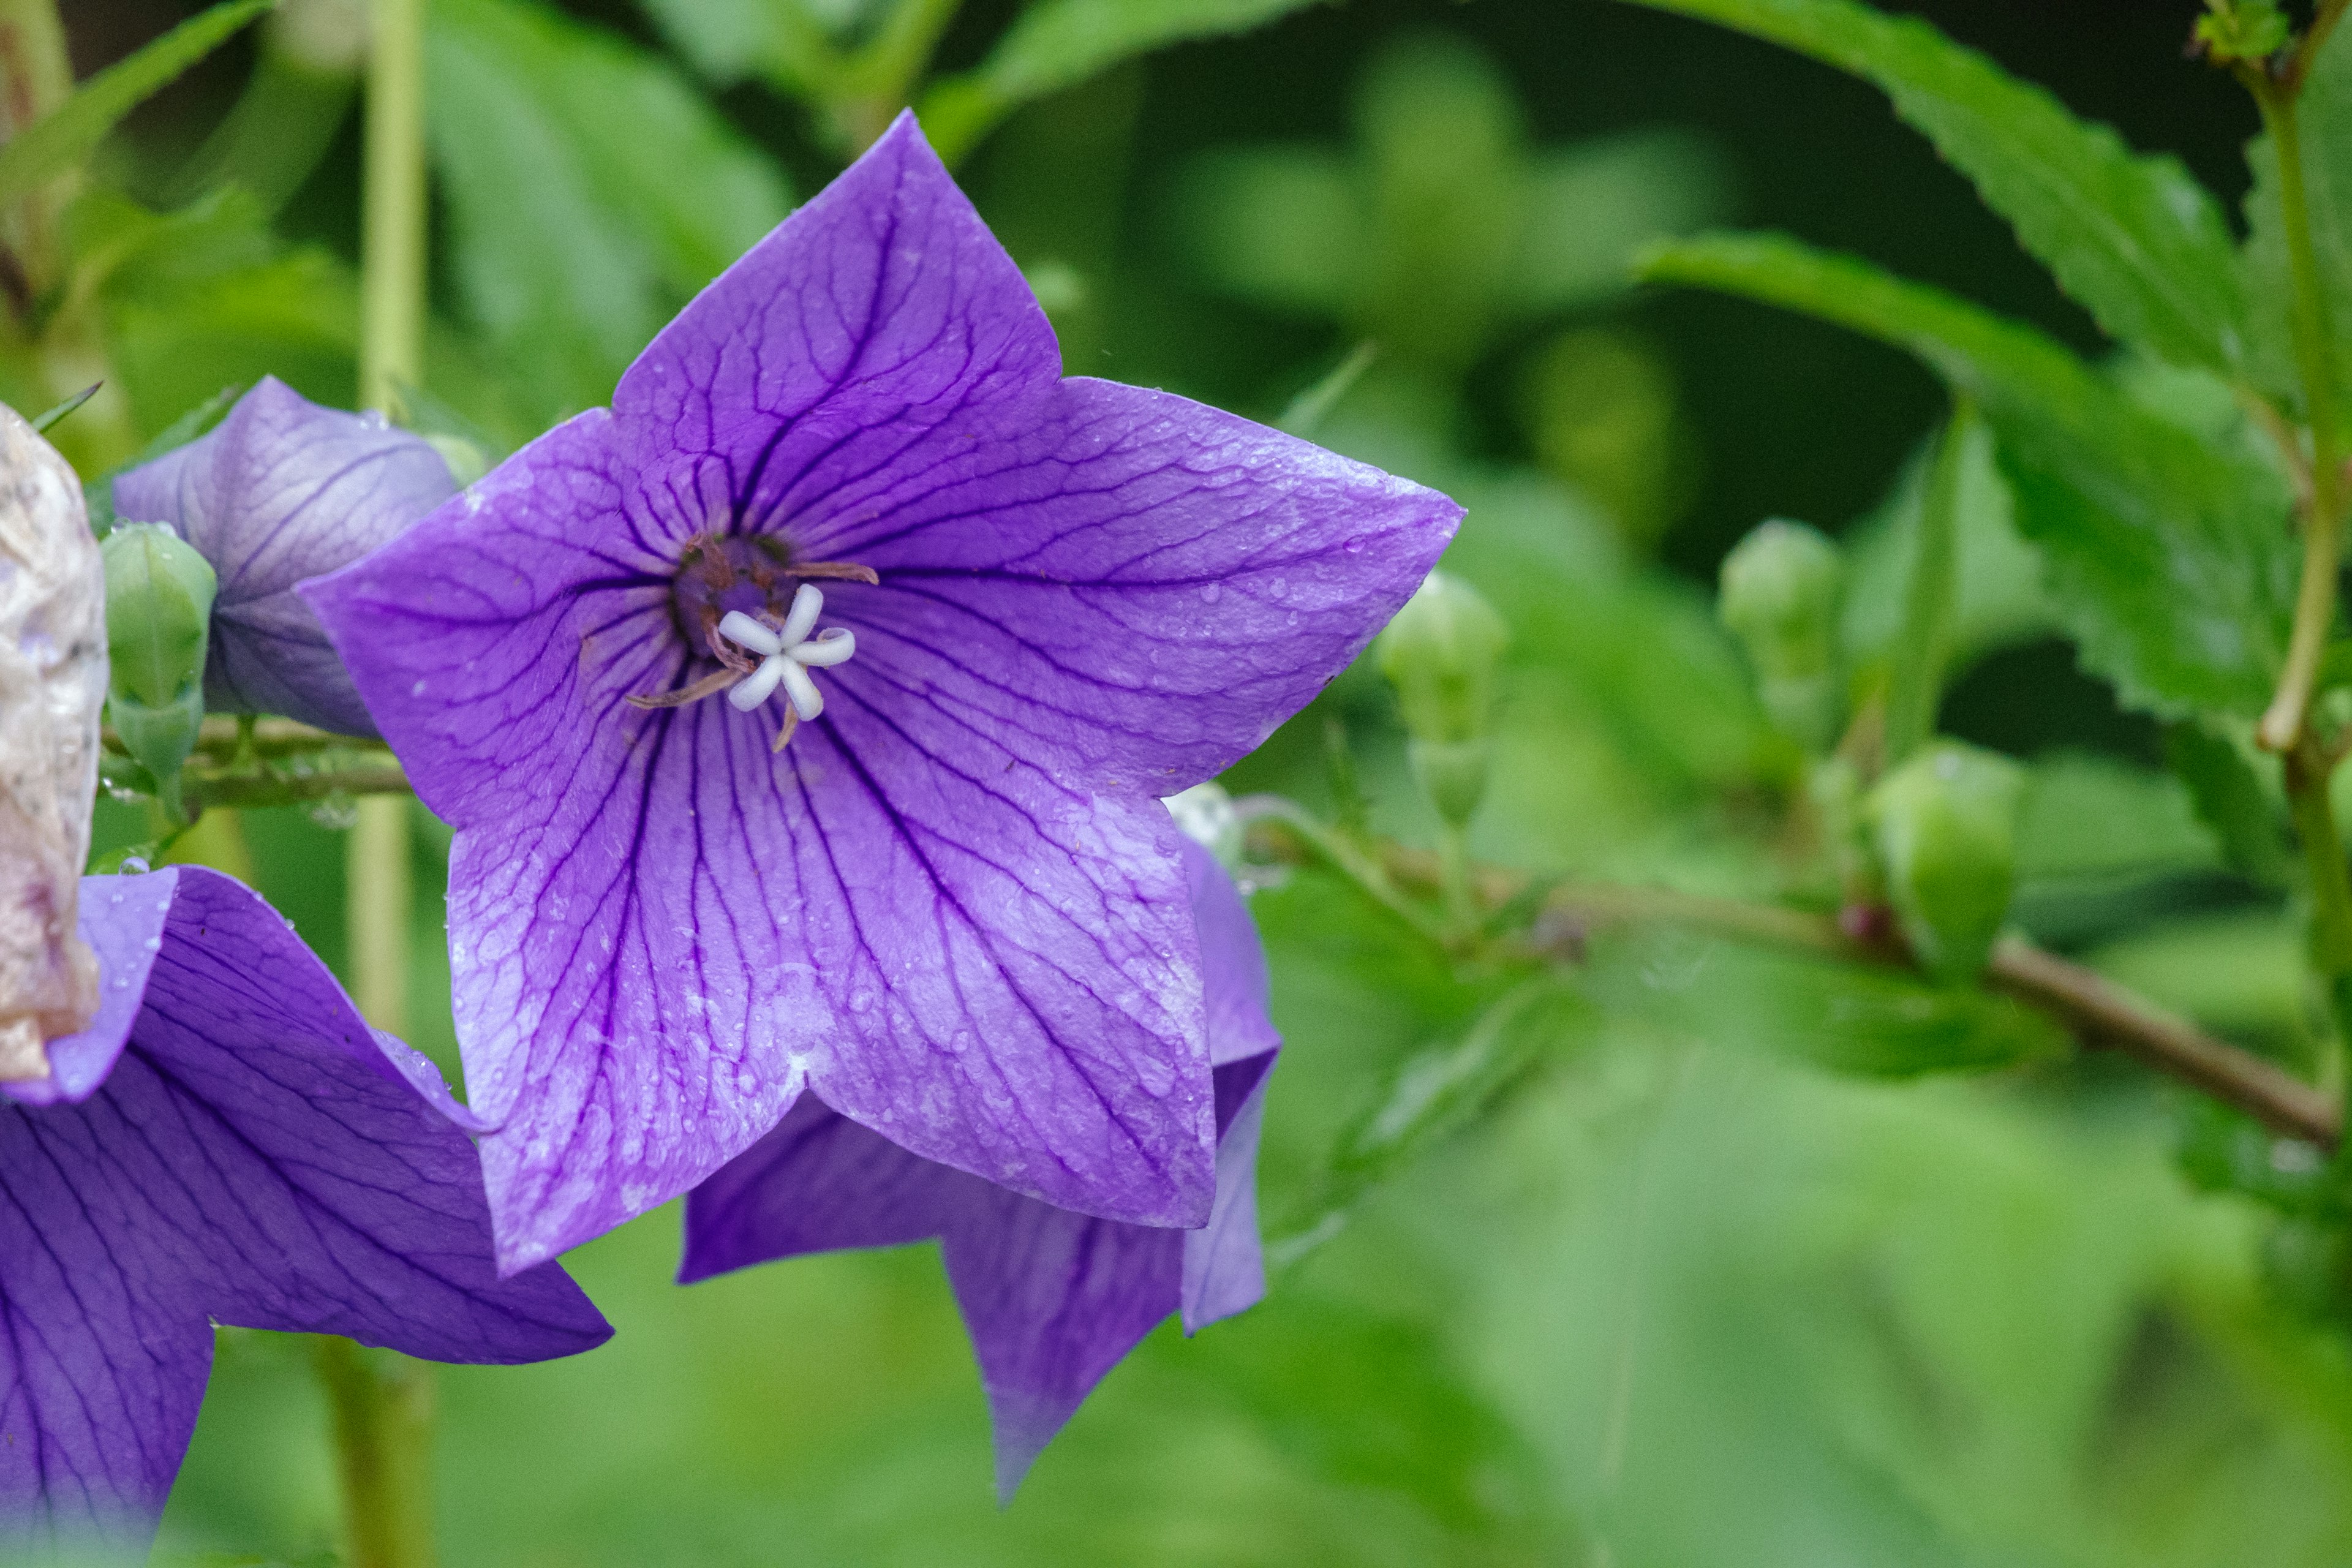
{"points": [[52, 694]]}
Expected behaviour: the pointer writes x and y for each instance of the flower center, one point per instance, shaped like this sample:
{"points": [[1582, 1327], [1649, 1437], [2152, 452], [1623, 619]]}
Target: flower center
{"points": [[751, 607]]}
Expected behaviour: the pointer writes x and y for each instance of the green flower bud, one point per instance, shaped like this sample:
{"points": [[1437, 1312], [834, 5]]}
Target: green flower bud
{"points": [[1441, 653], [158, 604], [1781, 587], [1946, 827]]}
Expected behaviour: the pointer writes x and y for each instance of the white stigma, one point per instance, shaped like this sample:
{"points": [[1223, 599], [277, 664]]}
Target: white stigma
{"points": [[787, 654]]}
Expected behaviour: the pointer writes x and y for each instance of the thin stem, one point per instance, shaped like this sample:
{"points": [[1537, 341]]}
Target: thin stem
{"points": [[383, 1402], [1454, 882], [2095, 1008], [1917, 689], [381, 1408], [2314, 610], [391, 219]]}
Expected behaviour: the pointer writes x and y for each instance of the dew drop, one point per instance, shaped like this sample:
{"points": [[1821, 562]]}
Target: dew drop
{"points": [[154, 944], [132, 865], [1278, 588], [1211, 593]]}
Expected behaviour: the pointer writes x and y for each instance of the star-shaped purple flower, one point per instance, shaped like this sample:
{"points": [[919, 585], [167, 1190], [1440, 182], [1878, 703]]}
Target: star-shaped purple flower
{"points": [[1005, 612], [1052, 1299], [227, 1143], [281, 490]]}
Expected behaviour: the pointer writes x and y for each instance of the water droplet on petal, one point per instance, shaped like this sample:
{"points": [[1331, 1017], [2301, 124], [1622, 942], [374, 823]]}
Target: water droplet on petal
{"points": [[1211, 593]]}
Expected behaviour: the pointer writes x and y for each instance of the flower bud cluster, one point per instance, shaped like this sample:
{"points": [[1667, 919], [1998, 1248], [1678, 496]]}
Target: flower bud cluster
{"points": [[1945, 825]]}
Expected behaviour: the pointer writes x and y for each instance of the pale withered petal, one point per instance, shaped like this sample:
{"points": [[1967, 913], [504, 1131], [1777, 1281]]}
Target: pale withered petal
{"points": [[281, 490], [52, 692], [1052, 1299], [228, 1142], [982, 618]]}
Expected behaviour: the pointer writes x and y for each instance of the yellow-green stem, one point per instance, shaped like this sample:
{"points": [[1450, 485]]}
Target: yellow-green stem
{"points": [[382, 1402], [380, 1405], [2315, 611]]}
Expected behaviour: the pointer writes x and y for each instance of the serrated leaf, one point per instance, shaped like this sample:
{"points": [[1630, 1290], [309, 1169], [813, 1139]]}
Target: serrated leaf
{"points": [[1059, 44], [57, 142], [2169, 562], [592, 192], [2133, 238]]}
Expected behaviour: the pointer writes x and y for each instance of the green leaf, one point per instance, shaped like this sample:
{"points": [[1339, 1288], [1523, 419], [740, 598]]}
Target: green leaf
{"points": [[2231, 801], [1930, 596], [2169, 560], [2323, 120], [60, 141], [729, 40], [1589, 208], [49, 417], [1059, 44], [2136, 240], [590, 190], [1434, 1094]]}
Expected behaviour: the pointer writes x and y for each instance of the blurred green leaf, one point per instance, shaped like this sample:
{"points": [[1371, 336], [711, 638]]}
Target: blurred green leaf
{"points": [[60, 141], [1058, 43], [592, 193], [1440, 223], [2135, 239], [2000, 602], [1873, 1021], [2323, 120], [1432, 1094], [786, 41], [2230, 799], [48, 416], [1429, 1436], [1914, 687], [2169, 562]]}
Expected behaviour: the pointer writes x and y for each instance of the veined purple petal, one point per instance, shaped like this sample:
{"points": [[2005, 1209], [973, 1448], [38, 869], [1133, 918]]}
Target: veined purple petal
{"points": [[281, 490], [254, 1157], [948, 906], [1052, 1299]]}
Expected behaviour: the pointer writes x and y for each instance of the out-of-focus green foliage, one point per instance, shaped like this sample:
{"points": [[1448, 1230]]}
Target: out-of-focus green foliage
{"points": [[1597, 1234], [2166, 558]]}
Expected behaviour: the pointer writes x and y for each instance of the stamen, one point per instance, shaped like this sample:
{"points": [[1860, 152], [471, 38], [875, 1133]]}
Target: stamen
{"points": [[761, 656]]}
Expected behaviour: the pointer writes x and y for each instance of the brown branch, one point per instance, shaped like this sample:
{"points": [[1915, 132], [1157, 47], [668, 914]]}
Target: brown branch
{"points": [[2097, 1010], [2106, 1013]]}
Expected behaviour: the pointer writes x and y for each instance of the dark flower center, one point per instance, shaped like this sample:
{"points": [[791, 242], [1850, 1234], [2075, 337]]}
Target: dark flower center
{"points": [[751, 606]]}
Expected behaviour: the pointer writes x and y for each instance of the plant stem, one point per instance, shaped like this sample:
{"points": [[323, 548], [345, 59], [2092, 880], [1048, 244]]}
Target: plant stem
{"points": [[392, 220], [1918, 683], [383, 1402], [2315, 611], [381, 1407], [2095, 1008]]}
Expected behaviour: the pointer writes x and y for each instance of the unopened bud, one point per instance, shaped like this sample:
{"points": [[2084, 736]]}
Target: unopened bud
{"points": [[1779, 592], [1441, 653], [1946, 827], [158, 604]]}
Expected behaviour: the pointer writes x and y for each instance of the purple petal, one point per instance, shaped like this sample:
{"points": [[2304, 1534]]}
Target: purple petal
{"points": [[1052, 1299], [283, 490], [122, 918], [1131, 588], [254, 1157], [881, 308]]}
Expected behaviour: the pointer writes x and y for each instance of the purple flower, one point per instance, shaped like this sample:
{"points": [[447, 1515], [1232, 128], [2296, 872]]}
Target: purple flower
{"points": [[228, 1142], [281, 490], [1052, 1299], [1004, 614]]}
